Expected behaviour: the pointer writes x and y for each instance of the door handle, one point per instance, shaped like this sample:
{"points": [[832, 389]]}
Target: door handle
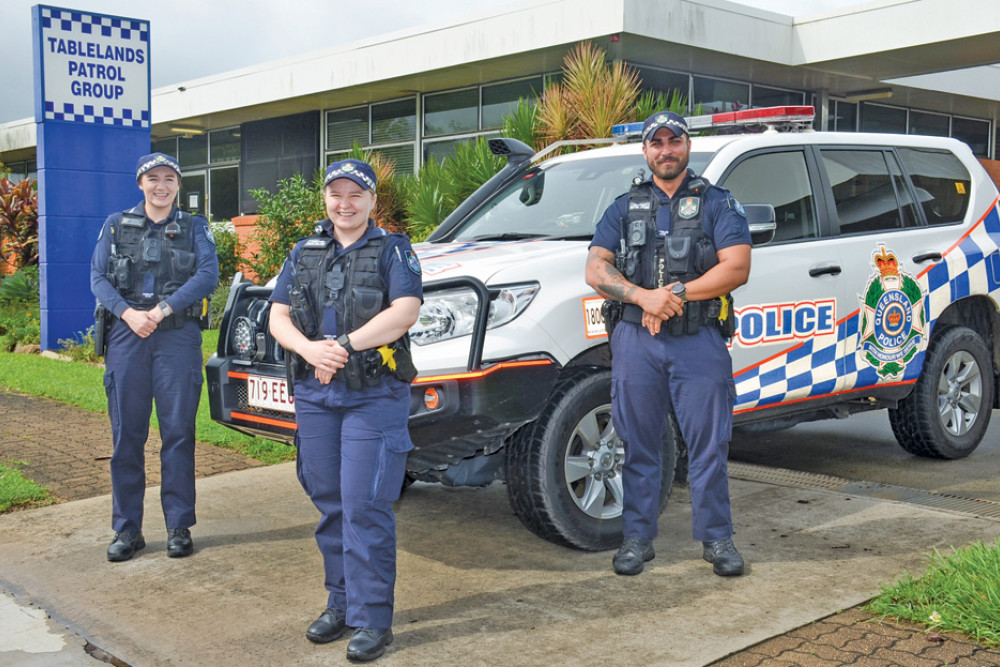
{"points": [[831, 269], [922, 257]]}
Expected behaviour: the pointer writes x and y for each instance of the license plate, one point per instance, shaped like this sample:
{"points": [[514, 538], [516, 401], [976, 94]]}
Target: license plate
{"points": [[269, 393]]}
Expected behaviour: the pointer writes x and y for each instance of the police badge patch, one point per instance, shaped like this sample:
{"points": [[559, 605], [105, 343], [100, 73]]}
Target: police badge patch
{"points": [[688, 207], [892, 317], [412, 262]]}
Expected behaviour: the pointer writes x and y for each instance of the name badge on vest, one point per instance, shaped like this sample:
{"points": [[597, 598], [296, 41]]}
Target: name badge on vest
{"points": [[317, 243], [688, 208]]}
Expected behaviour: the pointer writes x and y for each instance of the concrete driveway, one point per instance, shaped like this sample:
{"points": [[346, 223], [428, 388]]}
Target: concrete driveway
{"points": [[474, 586]]}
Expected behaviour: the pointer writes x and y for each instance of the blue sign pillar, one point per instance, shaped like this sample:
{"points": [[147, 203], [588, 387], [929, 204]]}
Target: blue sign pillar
{"points": [[92, 100]]}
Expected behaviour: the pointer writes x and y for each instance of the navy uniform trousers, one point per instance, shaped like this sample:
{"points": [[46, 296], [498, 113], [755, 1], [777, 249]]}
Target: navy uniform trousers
{"points": [[694, 375], [351, 461], [166, 367]]}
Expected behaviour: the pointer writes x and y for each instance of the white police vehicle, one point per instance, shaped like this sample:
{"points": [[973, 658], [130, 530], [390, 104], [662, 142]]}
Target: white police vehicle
{"points": [[875, 284]]}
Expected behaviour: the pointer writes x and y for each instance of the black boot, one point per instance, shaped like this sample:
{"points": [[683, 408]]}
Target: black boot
{"points": [[179, 542], [725, 559], [330, 625], [632, 554], [124, 545], [368, 643]]}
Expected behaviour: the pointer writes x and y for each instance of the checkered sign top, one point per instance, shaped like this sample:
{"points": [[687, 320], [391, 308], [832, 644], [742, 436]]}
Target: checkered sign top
{"points": [[95, 68]]}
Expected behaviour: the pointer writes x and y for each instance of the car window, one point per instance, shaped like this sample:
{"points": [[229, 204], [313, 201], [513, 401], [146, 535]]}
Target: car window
{"points": [[779, 179], [942, 183], [864, 191], [559, 199]]}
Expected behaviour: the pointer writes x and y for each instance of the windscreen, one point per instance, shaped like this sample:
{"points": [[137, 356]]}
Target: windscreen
{"points": [[563, 200]]}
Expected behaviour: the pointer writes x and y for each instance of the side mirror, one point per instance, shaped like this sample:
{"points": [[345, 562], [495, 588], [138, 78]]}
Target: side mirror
{"points": [[761, 220]]}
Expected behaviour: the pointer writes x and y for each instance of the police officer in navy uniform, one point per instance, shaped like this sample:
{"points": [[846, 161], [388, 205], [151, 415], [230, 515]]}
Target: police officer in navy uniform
{"points": [[152, 271], [668, 253], [341, 307]]}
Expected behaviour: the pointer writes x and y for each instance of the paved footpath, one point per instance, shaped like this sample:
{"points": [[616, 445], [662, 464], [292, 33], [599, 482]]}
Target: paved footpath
{"points": [[67, 450], [494, 596]]}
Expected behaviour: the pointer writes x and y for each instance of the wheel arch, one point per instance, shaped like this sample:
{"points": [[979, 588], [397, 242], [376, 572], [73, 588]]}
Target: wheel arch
{"points": [[979, 313]]}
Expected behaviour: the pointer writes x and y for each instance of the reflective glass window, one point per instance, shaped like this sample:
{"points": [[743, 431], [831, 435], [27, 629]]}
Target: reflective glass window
{"points": [[451, 113], [782, 180], [346, 127]]}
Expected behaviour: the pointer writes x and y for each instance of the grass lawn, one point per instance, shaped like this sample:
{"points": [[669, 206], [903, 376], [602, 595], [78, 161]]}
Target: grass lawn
{"points": [[82, 385], [16, 491], [957, 593]]}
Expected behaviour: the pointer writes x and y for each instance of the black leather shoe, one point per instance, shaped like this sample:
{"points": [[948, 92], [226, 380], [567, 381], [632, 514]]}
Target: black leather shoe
{"points": [[179, 542], [725, 559], [633, 552], [368, 644], [330, 625], [124, 545]]}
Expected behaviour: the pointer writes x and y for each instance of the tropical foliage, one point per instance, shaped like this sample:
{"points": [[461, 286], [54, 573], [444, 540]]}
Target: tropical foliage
{"points": [[18, 222]]}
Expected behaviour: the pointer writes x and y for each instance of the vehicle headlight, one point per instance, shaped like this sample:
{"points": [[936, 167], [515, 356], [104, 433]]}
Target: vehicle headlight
{"points": [[451, 313], [244, 337]]}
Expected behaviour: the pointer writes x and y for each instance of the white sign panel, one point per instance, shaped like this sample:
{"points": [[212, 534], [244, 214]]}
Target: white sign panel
{"points": [[95, 68]]}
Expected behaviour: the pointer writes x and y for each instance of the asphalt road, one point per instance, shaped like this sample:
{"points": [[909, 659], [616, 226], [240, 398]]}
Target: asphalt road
{"points": [[863, 447]]}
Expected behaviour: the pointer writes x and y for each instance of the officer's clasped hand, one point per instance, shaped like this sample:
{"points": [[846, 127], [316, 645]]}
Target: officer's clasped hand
{"points": [[658, 305], [327, 356], [141, 322]]}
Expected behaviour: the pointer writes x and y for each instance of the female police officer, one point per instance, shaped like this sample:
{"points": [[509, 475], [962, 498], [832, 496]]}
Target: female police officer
{"points": [[152, 269], [341, 307]]}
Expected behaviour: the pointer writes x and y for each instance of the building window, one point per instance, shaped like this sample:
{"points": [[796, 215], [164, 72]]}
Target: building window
{"points": [[843, 116], [192, 150], [774, 97], [346, 127], [394, 121], [933, 124], [451, 113], [500, 100], [716, 96], [224, 145], [976, 133], [664, 82], [224, 193], [878, 118]]}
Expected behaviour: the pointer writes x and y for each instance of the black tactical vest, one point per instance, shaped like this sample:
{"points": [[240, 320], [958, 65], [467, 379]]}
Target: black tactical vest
{"points": [[148, 263], [352, 285], [684, 254]]}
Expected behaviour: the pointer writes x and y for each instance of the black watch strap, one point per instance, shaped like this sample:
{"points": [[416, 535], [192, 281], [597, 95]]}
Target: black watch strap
{"points": [[345, 343]]}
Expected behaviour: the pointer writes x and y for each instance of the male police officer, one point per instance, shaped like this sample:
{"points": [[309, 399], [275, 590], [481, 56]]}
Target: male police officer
{"points": [[341, 307], [153, 269], [670, 251]]}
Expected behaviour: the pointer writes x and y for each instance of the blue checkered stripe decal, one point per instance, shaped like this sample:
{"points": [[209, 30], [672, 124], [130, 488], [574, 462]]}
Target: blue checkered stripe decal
{"points": [[88, 113], [74, 23], [106, 26], [812, 369]]}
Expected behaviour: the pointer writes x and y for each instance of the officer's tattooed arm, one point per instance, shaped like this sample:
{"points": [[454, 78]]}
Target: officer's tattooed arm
{"points": [[606, 279], [657, 304]]}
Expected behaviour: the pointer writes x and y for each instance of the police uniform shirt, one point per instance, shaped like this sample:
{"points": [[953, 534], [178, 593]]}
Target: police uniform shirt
{"points": [[722, 218], [398, 267], [200, 285]]}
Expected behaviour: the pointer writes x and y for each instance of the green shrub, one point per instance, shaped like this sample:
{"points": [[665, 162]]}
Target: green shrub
{"points": [[18, 222], [80, 347], [19, 324], [439, 188], [285, 217], [21, 287], [228, 248]]}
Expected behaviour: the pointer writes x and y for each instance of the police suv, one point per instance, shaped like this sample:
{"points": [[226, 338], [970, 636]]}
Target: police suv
{"points": [[874, 284]]}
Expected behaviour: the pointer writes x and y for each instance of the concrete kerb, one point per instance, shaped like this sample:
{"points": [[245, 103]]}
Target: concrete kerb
{"points": [[474, 586]]}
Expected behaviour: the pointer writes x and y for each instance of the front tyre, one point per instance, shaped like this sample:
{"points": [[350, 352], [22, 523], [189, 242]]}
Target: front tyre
{"points": [[564, 469], [948, 411]]}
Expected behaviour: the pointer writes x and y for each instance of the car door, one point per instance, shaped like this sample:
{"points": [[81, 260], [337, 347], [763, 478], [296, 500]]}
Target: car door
{"points": [[786, 348], [887, 246]]}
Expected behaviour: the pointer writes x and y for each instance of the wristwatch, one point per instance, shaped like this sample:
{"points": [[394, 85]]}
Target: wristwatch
{"points": [[680, 291], [345, 343], [165, 307]]}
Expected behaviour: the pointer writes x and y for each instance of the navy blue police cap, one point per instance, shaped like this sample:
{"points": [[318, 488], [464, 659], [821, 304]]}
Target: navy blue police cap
{"points": [[668, 119], [356, 170], [147, 162]]}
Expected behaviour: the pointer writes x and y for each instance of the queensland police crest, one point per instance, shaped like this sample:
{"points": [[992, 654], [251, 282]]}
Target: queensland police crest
{"points": [[892, 317]]}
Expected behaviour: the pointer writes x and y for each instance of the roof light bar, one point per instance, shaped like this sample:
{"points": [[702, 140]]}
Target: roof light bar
{"points": [[791, 115]]}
